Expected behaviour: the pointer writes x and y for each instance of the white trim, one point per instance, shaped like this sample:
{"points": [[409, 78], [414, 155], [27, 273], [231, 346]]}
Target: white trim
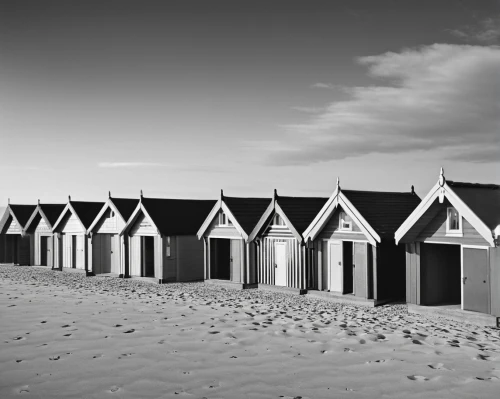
{"points": [[233, 220], [218, 207], [140, 208], [460, 206], [339, 199], [461, 277], [475, 246], [343, 239], [437, 242], [455, 232], [63, 213], [209, 219], [267, 213]]}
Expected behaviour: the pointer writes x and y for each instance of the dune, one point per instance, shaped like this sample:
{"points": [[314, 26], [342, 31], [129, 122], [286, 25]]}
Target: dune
{"points": [[64, 335]]}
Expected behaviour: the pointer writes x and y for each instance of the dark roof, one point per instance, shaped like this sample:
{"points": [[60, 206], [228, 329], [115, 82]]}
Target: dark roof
{"points": [[52, 211], [384, 211], [125, 206], [178, 216], [22, 213], [301, 211], [87, 211], [247, 211], [482, 199]]}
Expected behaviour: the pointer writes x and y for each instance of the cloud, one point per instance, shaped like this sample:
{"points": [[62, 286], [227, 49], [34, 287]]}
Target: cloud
{"points": [[487, 31], [440, 97], [309, 110], [128, 164], [326, 86]]}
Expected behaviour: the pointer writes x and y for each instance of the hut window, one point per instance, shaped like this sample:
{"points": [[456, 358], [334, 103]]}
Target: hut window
{"points": [[224, 220], [345, 221], [453, 222], [168, 246], [112, 214], [278, 220]]}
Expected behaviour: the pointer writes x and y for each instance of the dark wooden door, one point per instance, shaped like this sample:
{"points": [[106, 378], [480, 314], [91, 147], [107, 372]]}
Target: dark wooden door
{"points": [[105, 253], [475, 280], [43, 250]]}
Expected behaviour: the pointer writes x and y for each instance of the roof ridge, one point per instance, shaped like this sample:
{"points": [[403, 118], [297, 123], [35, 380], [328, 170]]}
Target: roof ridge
{"points": [[472, 185]]}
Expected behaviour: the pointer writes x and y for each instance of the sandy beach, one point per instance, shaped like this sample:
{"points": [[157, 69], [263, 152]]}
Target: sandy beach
{"points": [[64, 335]]}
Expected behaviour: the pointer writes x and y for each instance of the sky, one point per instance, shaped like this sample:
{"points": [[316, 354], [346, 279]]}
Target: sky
{"points": [[183, 98]]}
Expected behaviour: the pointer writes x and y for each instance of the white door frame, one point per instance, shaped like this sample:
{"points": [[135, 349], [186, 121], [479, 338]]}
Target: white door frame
{"points": [[329, 258]]}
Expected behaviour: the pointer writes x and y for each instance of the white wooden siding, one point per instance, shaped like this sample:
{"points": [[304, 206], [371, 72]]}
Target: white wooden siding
{"points": [[14, 228], [71, 224], [142, 226]]}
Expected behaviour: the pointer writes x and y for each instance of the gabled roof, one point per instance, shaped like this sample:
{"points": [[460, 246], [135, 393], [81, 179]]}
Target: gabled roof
{"points": [[49, 212], [173, 216], [244, 213], [477, 203], [378, 214], [482, 199], [384, 211], [84, 211], [21, 213], [297, 212], [124, 207]]}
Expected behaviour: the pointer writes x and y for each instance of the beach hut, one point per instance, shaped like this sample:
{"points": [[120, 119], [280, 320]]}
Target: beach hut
{"points": [[15, 244], [452, 254], [160, 239], [71, 243], [108, 251], [351, 246], [281, 251], [39, 227], [229, 258]]}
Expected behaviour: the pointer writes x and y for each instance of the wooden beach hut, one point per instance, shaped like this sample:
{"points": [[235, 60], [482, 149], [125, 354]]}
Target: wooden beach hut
{"points": [[229, 257], [351, 246], [108, 250], [72, 244], [39, 227], [452, 254], [281, 251], [160, 239], [15, 243]]}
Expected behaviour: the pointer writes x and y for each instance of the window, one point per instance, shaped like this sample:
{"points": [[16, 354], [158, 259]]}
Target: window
{"points": [[224, 220], [345, 221], [278, 220], [168, 247], [453, 222]]}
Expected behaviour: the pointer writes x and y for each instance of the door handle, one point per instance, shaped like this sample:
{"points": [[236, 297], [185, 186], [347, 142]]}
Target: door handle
{"points": [[340, 263], [464, 279], [275, 265]]}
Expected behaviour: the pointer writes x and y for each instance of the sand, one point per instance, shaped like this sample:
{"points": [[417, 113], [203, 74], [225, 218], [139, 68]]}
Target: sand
{"points": [[64, 335]]}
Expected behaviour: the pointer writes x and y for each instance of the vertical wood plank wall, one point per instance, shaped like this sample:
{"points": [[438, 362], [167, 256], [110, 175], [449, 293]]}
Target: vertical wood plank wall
{"points": [[495, 280], [267, 261]]}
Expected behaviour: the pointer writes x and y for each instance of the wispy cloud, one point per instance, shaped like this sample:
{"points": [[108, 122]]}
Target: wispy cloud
{"points": [[128, 164], [326, 86], [442, 97], [309, 110], [487, 31]]}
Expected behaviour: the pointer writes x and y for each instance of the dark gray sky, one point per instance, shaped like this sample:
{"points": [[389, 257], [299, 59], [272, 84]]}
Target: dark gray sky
{"points": [[182, 98]]}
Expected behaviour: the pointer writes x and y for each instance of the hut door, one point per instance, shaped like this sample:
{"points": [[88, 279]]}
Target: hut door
{"points": [[280, 264], [115, 254], [360, 258], [105, 253], [335, 265], [50, 247], [235, 261], [475, 279], [43, 250]]}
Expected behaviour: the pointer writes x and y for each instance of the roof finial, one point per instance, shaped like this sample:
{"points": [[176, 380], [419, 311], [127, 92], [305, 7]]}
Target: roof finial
{"points": [[413, 189], [141, 194], [38, 201], [8, 201], [69, 198], [275, 195], [109, 194], [338, 183], [442, 179], [221, 194]]}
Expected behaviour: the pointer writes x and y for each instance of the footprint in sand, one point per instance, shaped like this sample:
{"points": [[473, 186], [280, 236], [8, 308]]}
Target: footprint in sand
{"points": [[114, 388], [417, 378], [97, 356], [481, 357], [348, 350], [18, 338], [486, 378], [19, 361], [67, 335], [54, 357], [24, 389], [43, 322], [129, 331], [438, 366]]}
